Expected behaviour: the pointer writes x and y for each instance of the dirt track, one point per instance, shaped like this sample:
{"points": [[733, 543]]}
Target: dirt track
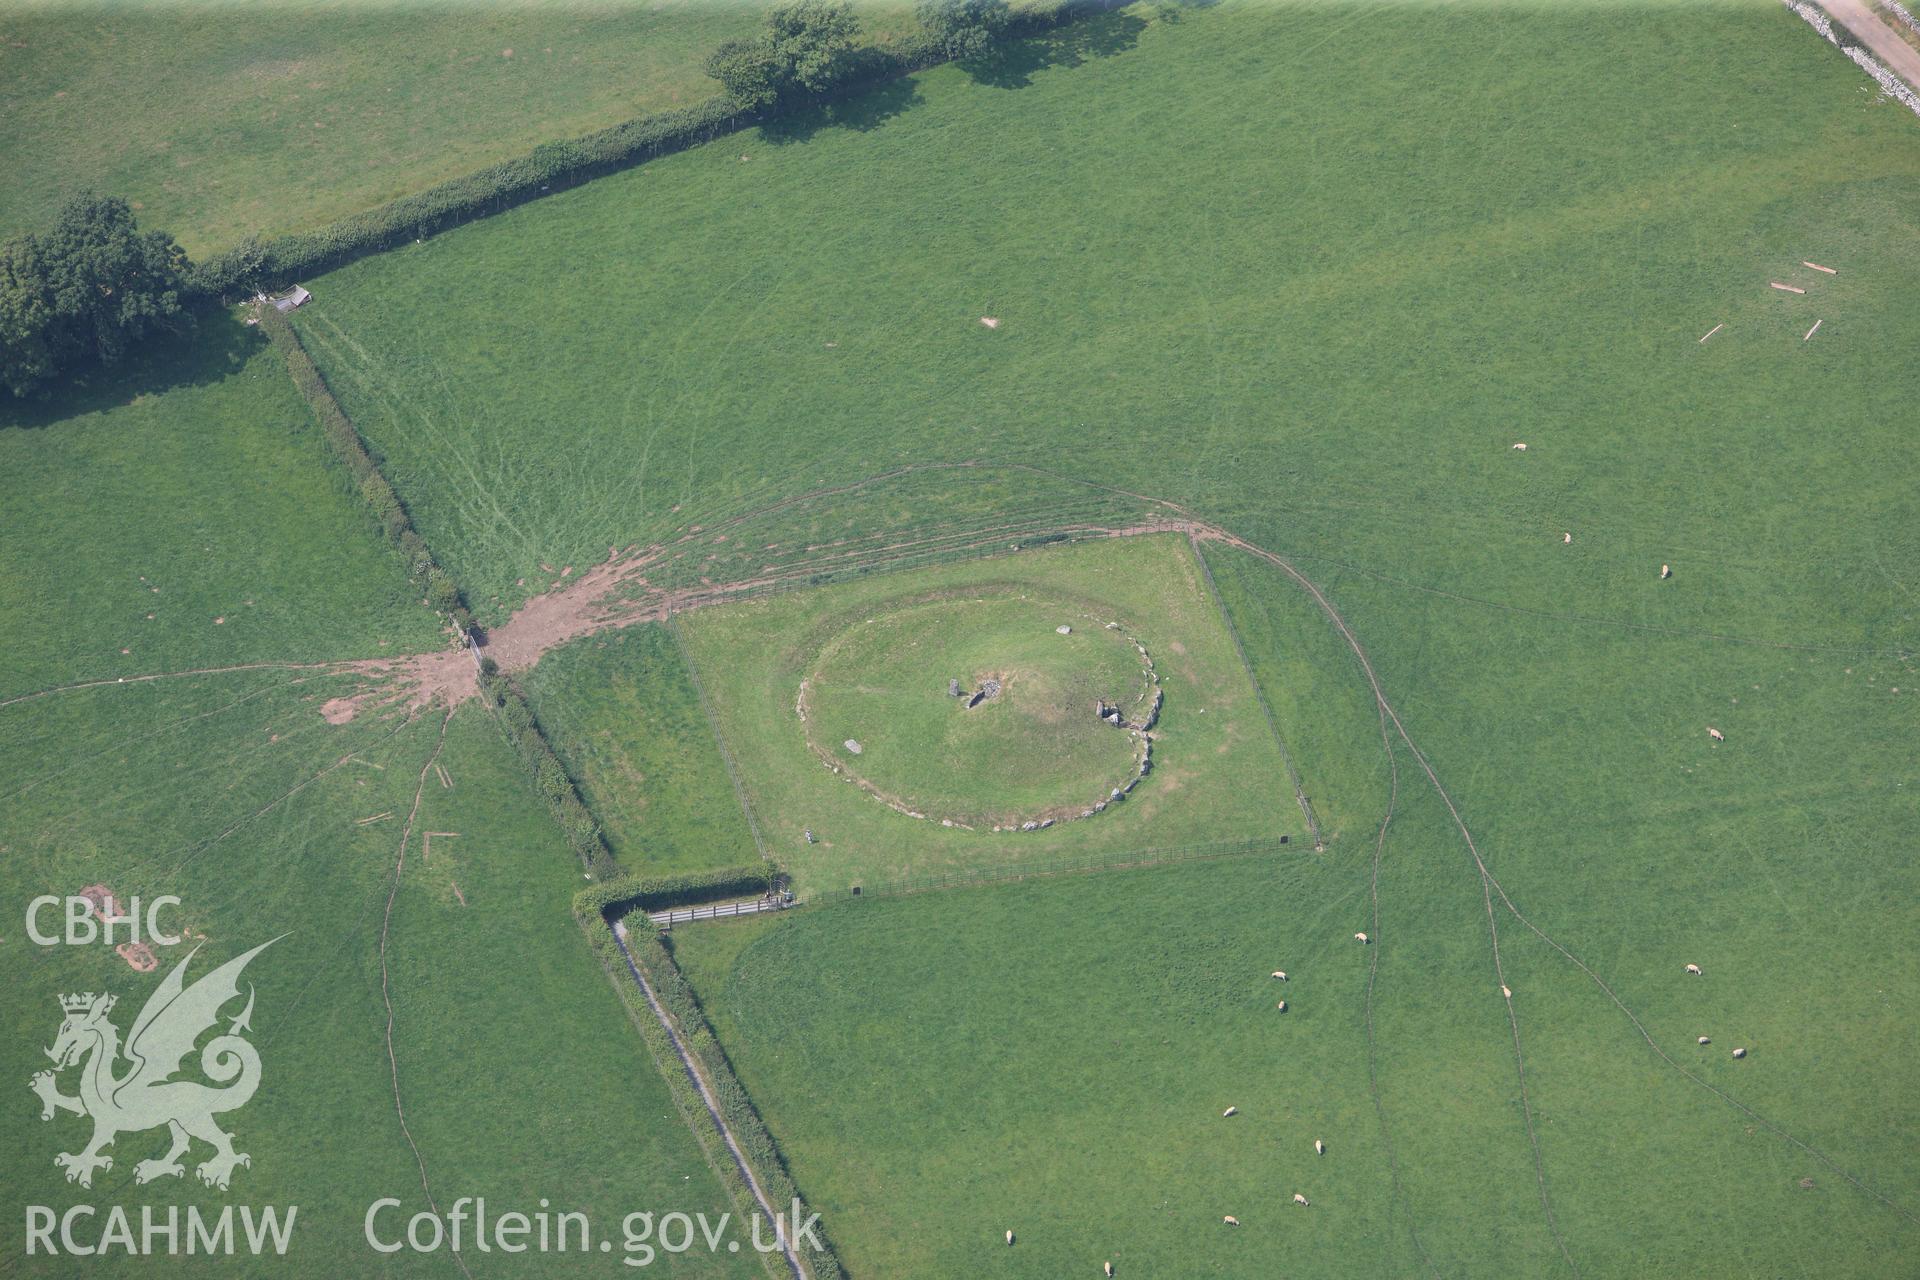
{"points": [[1899, 56]]}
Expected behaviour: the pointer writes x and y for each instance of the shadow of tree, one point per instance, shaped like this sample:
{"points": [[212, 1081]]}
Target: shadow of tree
{"points": [[216, 346], [863, 112], [1172, 10], [1012, 65]]}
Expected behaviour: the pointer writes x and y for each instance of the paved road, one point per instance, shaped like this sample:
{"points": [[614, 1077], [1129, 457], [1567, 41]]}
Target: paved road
{"points": [[1899, 56]]}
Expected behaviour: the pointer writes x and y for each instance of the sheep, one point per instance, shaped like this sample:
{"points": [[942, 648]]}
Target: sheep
{"points": [[1280, 974], [1506, 991], [1739, 1053], [1230, 1221], [1715, 734], [1666, 571], [1108, 1268], [1361, 938], [1521, 445], [1694, 969], [1009, 1237], [1282, 1006], [1705, 1040], [1230, 1111], [1319, 1147], [1566, 537], [1300, 1200]]}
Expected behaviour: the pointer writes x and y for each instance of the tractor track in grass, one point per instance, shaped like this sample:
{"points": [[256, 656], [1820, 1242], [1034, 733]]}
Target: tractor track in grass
{"points": [[1397, 1189], [386, 990]]}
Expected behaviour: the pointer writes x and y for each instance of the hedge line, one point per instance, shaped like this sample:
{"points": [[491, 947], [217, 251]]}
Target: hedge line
{"points": [[678, 998], [443, 594], [550, 777], [277, 263]]}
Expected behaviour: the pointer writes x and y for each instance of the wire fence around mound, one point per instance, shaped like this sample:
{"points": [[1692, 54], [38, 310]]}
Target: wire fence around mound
{"points": [[1155, 857]]}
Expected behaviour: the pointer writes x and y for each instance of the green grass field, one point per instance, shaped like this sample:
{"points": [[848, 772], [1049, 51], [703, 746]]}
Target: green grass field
{"points": [[1217, 775], [138, 525], [625, 719], [1306, 307], [1308, 269], [1031, 747], [189, 488], [219, 121]]}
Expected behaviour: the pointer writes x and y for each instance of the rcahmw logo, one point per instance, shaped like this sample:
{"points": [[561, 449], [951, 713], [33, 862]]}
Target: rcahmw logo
{"points": [[133, 1086]]}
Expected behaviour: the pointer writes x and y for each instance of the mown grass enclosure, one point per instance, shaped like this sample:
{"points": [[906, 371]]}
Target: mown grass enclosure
{"points": [[221, 121], [1216, 778]]}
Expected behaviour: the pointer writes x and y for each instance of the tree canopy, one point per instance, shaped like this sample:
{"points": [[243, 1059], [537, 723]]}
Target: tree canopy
{"points": [[963, 28], [84, 291], [805, 49]]}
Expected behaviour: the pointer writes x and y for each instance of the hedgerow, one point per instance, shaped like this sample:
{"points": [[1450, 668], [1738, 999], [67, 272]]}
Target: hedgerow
{"points": [[593, 909], [550, 777], [258, 264], [443, 594]]}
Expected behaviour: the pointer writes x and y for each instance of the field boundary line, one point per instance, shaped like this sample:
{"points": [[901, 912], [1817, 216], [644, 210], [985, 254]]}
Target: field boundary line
{"points": [[560, 164], [690, 1063], [1273, 726], [1172, 855]]}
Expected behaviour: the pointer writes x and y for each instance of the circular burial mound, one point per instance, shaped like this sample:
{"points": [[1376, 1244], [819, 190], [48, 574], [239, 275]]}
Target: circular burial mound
{"points": [[977, 711]]}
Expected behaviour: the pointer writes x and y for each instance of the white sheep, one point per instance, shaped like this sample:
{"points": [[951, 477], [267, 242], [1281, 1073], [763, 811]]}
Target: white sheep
{"points": [[1506, 991], [1739, 1053], [1300, 1200], [1694, 969], [1521, 445], [1280, 974], [1108, 1268], [1361, 938], [1230, 1111], [1704, 1040], [1666, 572], [1319, 1147], [1231, 1221], [1009, 1237], [1282, 1006], [1566, 537], [1715, 734]]}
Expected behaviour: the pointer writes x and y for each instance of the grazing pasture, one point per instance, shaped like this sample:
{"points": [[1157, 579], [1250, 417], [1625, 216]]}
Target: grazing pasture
{"points": [[1054, 1057], [220, 122], [188, 513], [1310, 272], [231, 792], [1217, 776], [1251, 260], [185, 510]]}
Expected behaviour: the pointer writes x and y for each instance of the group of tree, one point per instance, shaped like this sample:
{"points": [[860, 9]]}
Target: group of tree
{"points": [[84, 292], [807, 48]]}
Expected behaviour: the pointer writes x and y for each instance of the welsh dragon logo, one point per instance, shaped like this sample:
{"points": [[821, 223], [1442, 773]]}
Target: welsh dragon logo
{"points": [[146, 1095]]}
